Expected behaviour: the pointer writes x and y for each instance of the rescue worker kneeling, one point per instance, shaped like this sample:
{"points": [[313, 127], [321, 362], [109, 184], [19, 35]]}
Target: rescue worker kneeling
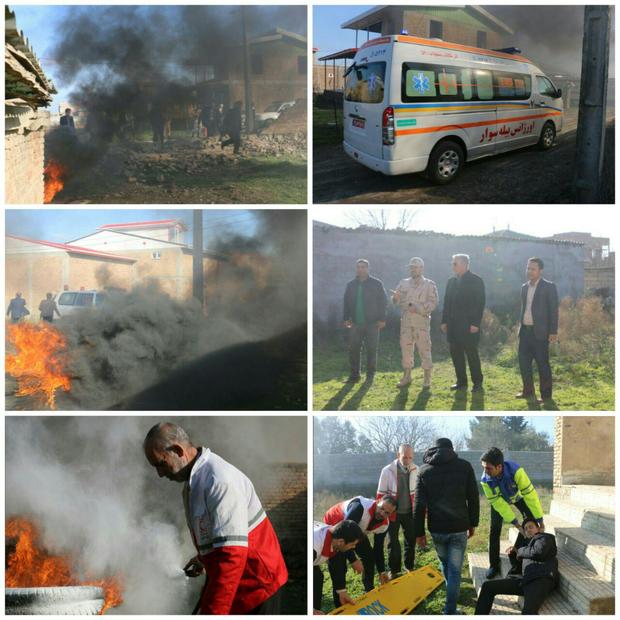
{"points": [[329, 541], [537, 556], [373, 517]]}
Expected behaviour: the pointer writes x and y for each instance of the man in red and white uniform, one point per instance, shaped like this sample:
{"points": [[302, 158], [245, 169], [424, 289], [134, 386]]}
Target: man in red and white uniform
{"points": [[398, 479], [329, 541], [373, 518], [237, 547]]}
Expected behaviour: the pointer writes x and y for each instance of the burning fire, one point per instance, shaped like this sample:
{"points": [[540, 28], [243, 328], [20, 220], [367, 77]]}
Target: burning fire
{"points": [[31, 566], [38, 363], [54, 174]]}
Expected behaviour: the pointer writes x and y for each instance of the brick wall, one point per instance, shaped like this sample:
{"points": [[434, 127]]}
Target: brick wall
{"points": [[338, 471], [23, 168]]}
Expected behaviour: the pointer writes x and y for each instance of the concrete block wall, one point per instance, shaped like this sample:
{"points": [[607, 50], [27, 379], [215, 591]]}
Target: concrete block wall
{"points": [[500, 262], [23, 167], [336, 471]]}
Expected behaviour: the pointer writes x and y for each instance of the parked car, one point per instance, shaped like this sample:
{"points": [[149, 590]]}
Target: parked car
{"points": [[273, 112], [70, 302]]}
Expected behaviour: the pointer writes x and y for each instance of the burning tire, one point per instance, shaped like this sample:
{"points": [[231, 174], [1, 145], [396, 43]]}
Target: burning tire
{"points": [[61, 601]]}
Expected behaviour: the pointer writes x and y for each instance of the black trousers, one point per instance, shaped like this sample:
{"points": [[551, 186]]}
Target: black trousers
{"points": [[338, 567], [271, 607], [459, 350], [234, 138], [317, 587], [495, 533], [369, 336], [404, 521], [532, 349], [534, 594]]}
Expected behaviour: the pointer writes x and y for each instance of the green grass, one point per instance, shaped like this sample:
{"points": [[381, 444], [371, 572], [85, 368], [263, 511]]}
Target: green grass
{"points": [[324, 129], [433, 605], [577, 387]]}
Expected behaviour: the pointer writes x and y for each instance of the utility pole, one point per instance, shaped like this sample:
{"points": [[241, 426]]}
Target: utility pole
{"points": [[249, 117], [197, 265], [592, 103]]}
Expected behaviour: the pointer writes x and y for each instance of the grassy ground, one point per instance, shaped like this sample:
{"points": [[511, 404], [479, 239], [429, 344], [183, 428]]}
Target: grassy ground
{"points": [[577, 387], [324, 128], [434, 603]]}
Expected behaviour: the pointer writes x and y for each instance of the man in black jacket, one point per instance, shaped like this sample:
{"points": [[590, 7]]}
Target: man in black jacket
{"points": [[365, 308], [539, 327], [463, 307], [538, 558], [447, 493]]}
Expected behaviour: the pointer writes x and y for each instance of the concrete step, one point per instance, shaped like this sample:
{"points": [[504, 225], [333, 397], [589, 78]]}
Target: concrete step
{"points": [[555, 605], [580, 585], [589, 495], [591, 550], [597, 520]]}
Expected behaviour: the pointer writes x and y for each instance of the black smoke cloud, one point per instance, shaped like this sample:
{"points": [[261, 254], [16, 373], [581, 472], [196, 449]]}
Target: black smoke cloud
{"points": [[551, 36]]}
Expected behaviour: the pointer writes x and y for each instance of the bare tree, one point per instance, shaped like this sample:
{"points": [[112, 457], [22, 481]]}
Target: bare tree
{"points": [[386, 433], [382, 219]]}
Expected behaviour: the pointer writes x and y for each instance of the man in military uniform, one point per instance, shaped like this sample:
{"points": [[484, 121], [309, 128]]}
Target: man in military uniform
{"points": [[417, 298]]}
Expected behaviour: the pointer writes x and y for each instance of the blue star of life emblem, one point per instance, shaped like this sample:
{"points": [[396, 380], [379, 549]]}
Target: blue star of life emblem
{"points": [[421, 83]]}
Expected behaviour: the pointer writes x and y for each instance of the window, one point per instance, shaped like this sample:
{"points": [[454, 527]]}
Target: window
{"points": [[302, 65], [481, 39], [256, 61], [99, 299], [420, 83], [484, 85], [156, 255], [505, 85], [67, 299], [85, 299], [447, 83], [435, 30], [467, 86], [365, 83], [545, 87]]}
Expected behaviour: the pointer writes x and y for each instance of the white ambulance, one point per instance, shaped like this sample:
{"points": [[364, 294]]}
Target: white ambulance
{"points": [[413, 105]]}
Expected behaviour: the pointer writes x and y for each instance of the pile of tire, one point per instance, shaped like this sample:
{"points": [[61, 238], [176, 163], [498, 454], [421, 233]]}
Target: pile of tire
{"points": [[60, 601]]}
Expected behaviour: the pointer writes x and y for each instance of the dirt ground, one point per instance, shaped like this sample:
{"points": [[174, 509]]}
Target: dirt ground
{"points": [[270, 168], [524, 176]]}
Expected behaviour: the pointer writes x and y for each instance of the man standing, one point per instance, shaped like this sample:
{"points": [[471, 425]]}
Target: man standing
{"points": [[398, 479], [505, 484], [233, 127], [447, 494], [67, 122], [365, 307], [237, 547], [417, 298], [47, 308], [537, 559], [539, 327], [463, 307], [327, 541], [17, 308], [373, 518]]}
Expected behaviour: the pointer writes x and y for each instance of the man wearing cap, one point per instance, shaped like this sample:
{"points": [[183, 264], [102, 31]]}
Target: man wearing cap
{"points": [[417, 298], [505, 484], [537, 559], [447, 495]]}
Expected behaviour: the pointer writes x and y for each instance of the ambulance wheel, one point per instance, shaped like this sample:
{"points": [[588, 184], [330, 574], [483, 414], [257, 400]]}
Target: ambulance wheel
{"points": [[547, 136], [445, 162]]}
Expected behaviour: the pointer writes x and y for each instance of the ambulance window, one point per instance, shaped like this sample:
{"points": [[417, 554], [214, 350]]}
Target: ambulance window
{"points": [[466, 84], [484, 85], [447, 83], [523, 86], [365, 83], [420, 83], [545, 87], [505, 86]]}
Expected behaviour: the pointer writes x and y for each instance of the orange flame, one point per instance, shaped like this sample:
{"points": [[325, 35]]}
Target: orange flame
{"points": [[31, 566], [54, 174], [39, 361]]}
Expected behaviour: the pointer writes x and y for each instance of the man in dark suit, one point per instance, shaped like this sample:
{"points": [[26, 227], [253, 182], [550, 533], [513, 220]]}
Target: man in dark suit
{"points": [[463, 307], [365, 308], [539, 327]]}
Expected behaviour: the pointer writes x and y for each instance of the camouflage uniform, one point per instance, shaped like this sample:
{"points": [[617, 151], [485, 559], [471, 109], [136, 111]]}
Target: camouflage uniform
{"points": [[415, 327]]}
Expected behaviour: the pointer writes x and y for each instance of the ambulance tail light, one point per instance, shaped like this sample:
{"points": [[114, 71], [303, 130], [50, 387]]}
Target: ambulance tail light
{"points": [[388, 126]]}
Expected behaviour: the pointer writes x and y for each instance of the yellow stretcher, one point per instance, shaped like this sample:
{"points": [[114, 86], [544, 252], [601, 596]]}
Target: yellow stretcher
{"points": [[397, 597]]}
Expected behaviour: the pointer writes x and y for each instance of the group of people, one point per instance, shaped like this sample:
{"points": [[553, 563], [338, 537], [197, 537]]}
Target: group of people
{"points": [[17, 309], [442, 496], [365, 314], [210, 120]]}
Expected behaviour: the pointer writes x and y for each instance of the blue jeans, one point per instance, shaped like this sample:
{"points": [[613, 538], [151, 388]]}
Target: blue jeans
{"points": [[451, 551]]}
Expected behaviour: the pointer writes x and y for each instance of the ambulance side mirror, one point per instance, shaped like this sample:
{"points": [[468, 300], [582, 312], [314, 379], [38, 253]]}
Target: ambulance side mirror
{"points": [[558, 93]]}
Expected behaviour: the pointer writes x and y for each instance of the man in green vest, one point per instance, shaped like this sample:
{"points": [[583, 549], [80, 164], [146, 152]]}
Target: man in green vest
{"points": [[505, 484]]}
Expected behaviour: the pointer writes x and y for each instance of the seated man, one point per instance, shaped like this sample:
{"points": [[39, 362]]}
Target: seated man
{"points": [[329, 540], [373, 518], [537, 556]]}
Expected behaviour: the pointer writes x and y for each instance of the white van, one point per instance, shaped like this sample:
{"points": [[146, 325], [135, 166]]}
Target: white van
{"points": [[70, 302], [413, 104]]}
